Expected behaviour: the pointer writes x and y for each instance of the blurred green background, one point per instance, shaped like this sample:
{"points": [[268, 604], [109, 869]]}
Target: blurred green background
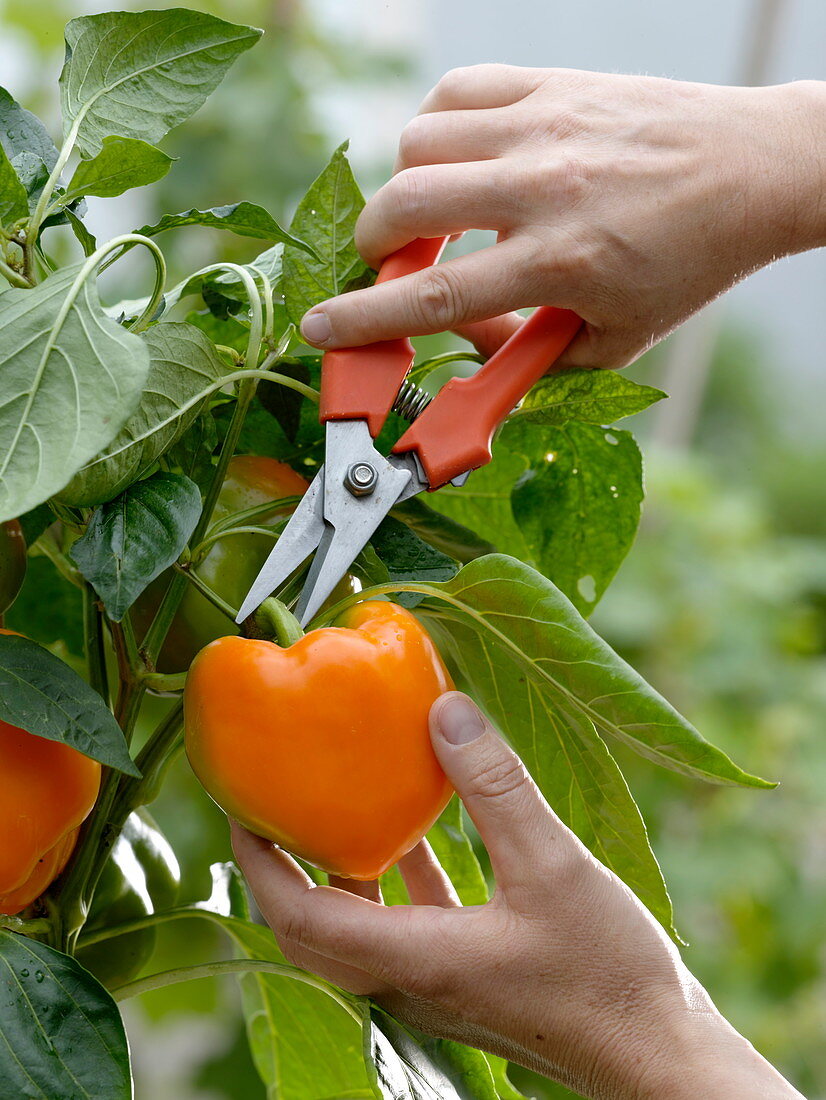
{"points": [[721, 604]]}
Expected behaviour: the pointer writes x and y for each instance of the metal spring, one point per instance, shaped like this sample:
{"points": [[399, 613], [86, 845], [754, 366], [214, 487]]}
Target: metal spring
{"points": [[411, 401]]}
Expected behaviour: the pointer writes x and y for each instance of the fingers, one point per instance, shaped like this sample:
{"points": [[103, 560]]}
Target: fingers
{"points": [[426, 881], [452, 136], [434, 201], [469, 288], [519, 830], [479, 86], [391, 945]]}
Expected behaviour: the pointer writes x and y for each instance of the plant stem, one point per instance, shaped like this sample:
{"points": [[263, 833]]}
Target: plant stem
{"points": [[174, 594], [206, 591], [233, 966], [94, 643], [215, 535], [14, 277]]}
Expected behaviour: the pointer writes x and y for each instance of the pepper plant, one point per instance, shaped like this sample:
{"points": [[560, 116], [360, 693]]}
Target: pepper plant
{"points": [[117, 427]]}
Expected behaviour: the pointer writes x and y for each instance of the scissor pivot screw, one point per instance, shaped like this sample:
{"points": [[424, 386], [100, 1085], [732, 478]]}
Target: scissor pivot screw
{"points": [[361, 479]]}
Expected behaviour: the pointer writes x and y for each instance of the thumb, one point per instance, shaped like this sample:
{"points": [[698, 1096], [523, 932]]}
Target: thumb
{"points": [[518, 828]]}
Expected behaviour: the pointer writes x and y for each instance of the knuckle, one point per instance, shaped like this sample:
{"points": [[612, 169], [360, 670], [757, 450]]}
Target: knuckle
{"points": [[563, 182], [409, 194], [452, 82], [413, 139], [439, 299], [293, 932], [500, 776]]}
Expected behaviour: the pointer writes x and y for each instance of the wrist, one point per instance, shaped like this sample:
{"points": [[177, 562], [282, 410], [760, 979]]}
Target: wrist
{"points": [[701, 1054], [795, 166]]}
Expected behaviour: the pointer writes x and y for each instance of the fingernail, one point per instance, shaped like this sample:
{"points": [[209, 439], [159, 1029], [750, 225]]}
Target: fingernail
{"points": [[459, 720], [315, 327]]}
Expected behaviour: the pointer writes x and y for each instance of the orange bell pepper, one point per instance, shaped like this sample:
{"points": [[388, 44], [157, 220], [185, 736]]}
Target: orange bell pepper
{"points": [[323, 747]]}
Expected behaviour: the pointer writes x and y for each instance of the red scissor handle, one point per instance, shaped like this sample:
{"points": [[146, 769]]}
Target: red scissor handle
{"points": [[455, 431], [362, 383]]}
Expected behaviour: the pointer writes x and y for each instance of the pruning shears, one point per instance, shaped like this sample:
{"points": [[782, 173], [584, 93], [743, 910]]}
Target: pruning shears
{"points": [[450, 436]]}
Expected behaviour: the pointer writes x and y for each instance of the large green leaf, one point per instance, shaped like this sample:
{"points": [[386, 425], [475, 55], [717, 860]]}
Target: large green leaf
{"points": [[531, 623], [325, 219], [589, 396], [27, 144], [246, 219], [13, 199], [578, 505], [138, 74], [121, 164], [62, 1035], [183, 365], [133, 538], [568, 760], [69, 378], [305, 1045]]}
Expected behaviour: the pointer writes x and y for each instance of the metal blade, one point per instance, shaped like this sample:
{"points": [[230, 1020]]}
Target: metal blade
{"points": [[353, 519], [299, 538]]}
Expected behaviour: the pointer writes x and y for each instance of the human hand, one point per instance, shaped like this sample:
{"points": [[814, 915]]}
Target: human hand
{"points": [[631, 200], [563, 971]]}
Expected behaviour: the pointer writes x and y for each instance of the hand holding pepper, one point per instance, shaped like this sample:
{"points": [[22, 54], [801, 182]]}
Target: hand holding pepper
{"points": [[564, 970]]}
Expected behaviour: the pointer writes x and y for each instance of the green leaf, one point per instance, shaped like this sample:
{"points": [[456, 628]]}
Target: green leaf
{"points": [[62, 1032], [569, 762], [49, 608], [445, 534], [285, 404], [41, 694], [484, 503], [224, 292], [325, 219], [418, 1067], [530, 622], [504, 1088], [13, 199], [121, 164], [70, 378], [183, 365], [27, 144], [305, 1046], [578, 506], [409, 558], [454, 851], [246, 219], [133, 538], [138, 74], [35, 522], [193, 451], [87, 241], [589, 396]]}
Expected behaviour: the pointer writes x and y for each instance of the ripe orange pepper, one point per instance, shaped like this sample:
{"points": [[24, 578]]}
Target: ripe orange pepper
{"points": [[323, 747], [46, 791]]}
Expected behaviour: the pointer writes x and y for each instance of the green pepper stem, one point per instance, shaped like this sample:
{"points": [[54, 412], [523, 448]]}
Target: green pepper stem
{"points": [[275, 623]]}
